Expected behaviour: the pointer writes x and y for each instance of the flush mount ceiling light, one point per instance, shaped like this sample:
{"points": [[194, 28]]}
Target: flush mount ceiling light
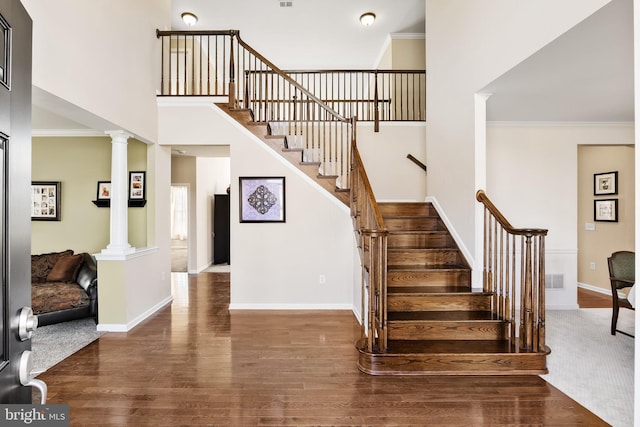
{"points": [[367, 18], [189, 18]]}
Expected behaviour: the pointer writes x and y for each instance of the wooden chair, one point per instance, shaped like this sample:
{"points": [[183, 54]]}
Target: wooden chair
{"points": [[622, 275]]}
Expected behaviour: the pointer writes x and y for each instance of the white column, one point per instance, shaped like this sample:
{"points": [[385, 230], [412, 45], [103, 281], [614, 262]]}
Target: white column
{"points": [[119, 230], [480, 105], [636, 79]]}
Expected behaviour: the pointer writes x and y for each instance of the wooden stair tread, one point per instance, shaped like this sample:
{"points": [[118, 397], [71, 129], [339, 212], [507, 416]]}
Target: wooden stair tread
{"points": [[429, 232], [440, 316], [453, 347], [423, 250], [420, 268], [433, 290]]}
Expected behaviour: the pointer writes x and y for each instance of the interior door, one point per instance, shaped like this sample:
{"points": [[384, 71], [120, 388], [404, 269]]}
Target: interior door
{"points": [[15, 196]]}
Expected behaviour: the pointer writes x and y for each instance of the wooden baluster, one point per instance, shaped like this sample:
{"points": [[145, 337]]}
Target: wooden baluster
{"points": [[232, 75], [485, 250], [376, 107], [542, 291], [528, 303], [507, 285], [500, 270], [513, 288], [246, 90], [534, 295], [522, 334]]}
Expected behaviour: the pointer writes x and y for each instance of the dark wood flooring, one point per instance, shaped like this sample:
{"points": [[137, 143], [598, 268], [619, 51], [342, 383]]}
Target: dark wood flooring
{"points": [[197, 363]]}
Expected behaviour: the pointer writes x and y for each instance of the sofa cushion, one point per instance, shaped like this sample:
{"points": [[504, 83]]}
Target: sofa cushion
{"points": [[42, 264], [65, 269], [55, 296]]}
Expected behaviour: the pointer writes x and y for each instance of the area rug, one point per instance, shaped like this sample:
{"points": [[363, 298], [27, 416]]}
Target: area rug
{"points": [[589, 364], [53, 343]]}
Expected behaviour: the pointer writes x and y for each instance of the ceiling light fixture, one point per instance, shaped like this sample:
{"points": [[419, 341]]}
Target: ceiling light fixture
{"points": [[189, 18], [367, 18]]}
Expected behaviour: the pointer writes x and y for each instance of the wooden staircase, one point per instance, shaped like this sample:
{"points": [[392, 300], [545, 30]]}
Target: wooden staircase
{"points": [[436, 323]]}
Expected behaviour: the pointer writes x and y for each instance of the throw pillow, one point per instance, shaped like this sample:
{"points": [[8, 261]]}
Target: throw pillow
{"points": [[65, 269], [42, 264]]}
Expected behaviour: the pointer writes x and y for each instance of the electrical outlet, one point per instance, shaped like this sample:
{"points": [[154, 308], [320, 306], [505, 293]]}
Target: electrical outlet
{"points": [[592, 265], [322, 279]]}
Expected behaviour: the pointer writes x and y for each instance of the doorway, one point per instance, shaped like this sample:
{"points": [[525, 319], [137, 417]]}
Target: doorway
{"points": [[179, 228]]}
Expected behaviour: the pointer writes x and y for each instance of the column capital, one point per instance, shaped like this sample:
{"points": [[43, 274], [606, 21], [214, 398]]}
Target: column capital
{"points": [[118, 135]]}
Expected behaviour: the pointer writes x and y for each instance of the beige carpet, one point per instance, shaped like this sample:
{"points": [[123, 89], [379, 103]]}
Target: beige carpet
{"points": [[589, 364]]}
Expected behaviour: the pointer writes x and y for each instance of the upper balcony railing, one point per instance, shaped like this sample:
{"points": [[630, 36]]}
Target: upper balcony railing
{"points": [[217, 63], [220, 63]]}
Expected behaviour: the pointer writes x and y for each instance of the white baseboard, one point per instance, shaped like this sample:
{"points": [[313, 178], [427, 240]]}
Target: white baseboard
{"points": [[595, 288], [240, 306], [456, 237], [126, 327]]}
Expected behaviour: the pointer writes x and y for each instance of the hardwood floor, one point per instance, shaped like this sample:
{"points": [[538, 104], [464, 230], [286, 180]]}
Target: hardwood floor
{"points": [[197, 363], [591, 299]]}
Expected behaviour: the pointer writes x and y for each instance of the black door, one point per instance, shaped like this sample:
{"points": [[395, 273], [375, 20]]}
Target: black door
{"points": [[221, 229], [15, 194]]}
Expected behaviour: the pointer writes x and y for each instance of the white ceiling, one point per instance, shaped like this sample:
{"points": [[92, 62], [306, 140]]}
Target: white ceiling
{"points": [[585, 75], [312, 34]]}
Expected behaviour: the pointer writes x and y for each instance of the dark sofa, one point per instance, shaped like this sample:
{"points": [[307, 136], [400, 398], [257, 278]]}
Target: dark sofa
{"points": [[64, 286]]}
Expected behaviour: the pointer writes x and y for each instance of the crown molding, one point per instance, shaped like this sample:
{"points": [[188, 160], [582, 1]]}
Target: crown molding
{"points": [[67, 133]]}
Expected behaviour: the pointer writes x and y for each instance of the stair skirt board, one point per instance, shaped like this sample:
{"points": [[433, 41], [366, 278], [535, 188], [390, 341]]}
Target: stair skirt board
{"points": [[452, 363]]}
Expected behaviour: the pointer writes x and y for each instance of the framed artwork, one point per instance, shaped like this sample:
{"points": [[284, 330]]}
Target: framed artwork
{"points": [[605, 183], [605, 210], [45, 201], [262, 199], [137, 185], [104, 190]]}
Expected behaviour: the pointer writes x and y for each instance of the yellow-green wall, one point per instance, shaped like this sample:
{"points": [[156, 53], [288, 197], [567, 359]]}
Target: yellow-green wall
{"points": [[79, 163]]}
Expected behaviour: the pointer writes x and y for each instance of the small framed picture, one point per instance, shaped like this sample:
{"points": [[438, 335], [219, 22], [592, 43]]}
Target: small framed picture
{"points": [[137, 185], [45, 201], [605, 183], [104, 190], [262, 199], [605, 210]]}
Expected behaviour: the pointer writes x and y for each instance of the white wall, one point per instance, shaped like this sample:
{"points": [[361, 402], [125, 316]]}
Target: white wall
{"points": [[384, 153], [83, 53], [192, 121], [532, 173], [277, 265], [470, 44]]}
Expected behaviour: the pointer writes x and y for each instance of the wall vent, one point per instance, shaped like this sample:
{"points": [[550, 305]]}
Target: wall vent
{"points": [[554, 281], [286, 4]]}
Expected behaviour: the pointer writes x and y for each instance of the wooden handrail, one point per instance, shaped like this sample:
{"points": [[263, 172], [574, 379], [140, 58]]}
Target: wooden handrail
{"points": [[291, 81], [481, 196], [505, 274], [357, 160], [372, 235], [417, 162]]}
